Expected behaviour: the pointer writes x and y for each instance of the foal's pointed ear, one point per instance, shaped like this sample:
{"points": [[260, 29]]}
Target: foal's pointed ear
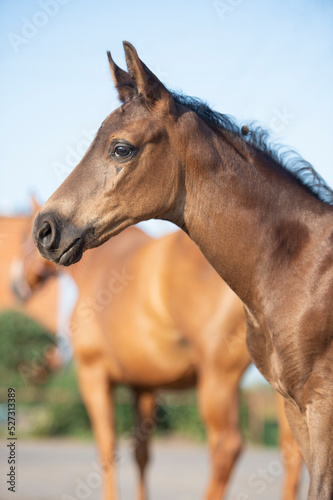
{"points": [[125, 85], [148, 85]]}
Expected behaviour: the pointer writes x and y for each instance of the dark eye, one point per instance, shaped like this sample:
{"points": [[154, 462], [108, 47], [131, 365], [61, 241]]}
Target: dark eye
{"points": [[122, 151]]}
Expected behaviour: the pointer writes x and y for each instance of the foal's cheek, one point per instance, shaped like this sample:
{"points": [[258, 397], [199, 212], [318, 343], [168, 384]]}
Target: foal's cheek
{"points": [[104, 178], [112, 180]]}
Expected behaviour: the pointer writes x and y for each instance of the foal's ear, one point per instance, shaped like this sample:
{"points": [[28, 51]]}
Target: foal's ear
{"points": [[148, 85], [124, 83]]}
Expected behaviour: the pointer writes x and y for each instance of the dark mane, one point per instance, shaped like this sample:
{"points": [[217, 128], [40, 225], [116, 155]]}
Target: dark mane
{"points": [[258, 138]]}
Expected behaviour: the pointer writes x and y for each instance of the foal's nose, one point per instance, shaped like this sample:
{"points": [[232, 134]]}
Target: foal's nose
{"points": [[45, 232], [57, 239]]}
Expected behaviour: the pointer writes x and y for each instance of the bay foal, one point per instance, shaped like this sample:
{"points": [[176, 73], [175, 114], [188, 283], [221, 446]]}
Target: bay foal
{"points": [[264, 229]]}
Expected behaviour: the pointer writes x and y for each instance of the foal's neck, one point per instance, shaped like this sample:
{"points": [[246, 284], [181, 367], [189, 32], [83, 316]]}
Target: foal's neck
{"points": [[241, 209]]}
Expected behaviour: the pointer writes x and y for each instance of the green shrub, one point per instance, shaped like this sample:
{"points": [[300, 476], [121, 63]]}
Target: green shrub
{"points": [[25, 345], [180, 419], [271, 431], [62, 419]]}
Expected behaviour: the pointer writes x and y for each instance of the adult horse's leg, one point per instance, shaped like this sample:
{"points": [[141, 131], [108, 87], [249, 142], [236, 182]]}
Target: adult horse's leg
{"points": [[95, 389], [291, 453], [218, 402], [145, 424]]}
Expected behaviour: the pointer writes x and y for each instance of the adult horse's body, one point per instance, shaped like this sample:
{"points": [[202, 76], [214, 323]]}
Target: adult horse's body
{"points": [[262, 228], [174, 324]]}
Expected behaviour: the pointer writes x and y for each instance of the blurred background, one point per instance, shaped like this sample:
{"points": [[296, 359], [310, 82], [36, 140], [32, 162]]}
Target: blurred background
{"points": [[258, 60]]}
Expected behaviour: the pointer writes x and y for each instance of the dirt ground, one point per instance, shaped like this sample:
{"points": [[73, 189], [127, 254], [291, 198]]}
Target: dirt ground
{"points": [[68, 470]]}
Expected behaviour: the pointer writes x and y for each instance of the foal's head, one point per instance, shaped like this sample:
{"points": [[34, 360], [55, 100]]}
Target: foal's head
{"points": [[130, 173]]}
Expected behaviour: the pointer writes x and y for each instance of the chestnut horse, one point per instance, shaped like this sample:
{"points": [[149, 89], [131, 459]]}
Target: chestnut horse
{"points": [[267, 230], [174, 324]]}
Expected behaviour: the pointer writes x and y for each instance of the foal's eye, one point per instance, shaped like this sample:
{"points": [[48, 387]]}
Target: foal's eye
{"points": [[122, 151]]}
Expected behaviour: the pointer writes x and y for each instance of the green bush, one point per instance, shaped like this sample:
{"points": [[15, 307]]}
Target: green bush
{"points": [[25, 345], [271, 431], [184, 420], [62, 419]]}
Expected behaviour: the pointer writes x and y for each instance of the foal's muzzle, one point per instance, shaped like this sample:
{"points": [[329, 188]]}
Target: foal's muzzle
{"points": [[57, 239]]}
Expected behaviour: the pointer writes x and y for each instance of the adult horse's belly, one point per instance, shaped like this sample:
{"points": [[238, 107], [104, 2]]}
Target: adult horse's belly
{"points": [[151, 356]]}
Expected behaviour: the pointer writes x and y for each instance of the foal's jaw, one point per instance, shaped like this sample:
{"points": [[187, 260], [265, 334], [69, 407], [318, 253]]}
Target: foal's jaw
{"points": [[103, 233]]}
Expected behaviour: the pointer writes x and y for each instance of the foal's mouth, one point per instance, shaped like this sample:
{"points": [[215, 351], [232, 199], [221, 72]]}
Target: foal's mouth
{"points": [[72, 254]]}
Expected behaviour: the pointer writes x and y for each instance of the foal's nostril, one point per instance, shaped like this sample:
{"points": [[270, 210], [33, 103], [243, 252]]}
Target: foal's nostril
{"points": [[46, 235]]}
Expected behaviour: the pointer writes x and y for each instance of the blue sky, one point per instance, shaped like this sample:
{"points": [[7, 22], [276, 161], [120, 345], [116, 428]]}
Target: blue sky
{"points": [[263, 60]]}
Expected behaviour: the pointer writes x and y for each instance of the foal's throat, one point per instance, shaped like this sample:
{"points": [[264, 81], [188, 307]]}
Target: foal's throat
{"points": [[226, 233]]}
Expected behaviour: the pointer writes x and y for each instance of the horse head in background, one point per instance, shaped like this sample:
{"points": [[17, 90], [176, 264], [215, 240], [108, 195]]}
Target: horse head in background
{"points": [[28, 269]]}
